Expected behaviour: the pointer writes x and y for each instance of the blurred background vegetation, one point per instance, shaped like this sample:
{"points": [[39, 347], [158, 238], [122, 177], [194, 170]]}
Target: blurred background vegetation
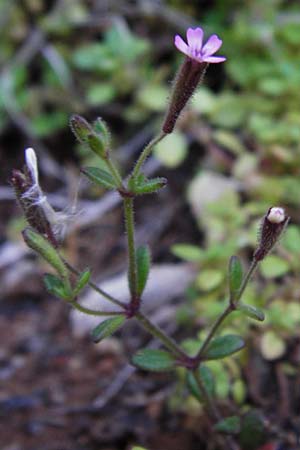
{"points": [[235, 152]]}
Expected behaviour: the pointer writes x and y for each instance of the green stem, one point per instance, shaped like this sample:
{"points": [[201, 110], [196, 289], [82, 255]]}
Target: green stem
{"points": [[132, 267], [93, 312], [246, 279], [146, 152], [95, 287], [213, 331], [156, 332], [214, 412], [228, 310], [212, 408], [114, 172]]}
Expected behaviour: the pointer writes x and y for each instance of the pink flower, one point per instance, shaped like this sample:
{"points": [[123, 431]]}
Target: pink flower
{"points": [[195, 49]]}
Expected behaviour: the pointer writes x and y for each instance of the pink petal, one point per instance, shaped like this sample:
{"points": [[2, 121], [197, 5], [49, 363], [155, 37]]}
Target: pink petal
{"points": [[212, 45], [181, 45], [214, 59], [195, 38]]}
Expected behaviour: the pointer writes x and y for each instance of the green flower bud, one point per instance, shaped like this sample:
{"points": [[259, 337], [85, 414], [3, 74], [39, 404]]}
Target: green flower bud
{"points": [[38, 243], [81, 128]]}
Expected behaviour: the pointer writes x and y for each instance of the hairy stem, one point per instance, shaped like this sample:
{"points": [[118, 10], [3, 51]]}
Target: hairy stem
{"points": [[92, 312], [114, 172], [132, 267], [156, 332], [228, 310], [95, 287], [146, 152], [212, 408]]}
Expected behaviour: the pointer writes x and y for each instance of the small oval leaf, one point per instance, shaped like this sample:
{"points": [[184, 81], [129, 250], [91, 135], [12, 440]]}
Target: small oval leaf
{"points": [[107, 328], [143, 261], [154, 360], [82, 281], [229, 425], [149, 186], [251, 311], [235, 276], [56, 286], [223, 346], [99, 177]]}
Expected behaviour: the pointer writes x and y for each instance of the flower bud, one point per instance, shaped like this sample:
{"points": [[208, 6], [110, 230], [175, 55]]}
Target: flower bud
{"points": [[81, 128], [189, 76], [97, 145], [100, 127], [273, 224], [39, 244]]}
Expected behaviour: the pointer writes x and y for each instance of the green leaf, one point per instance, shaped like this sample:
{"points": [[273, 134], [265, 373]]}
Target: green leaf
{"points": [[251, 311], [223, 346], [291, 239], [187, 252], [56, 286], [154, 360], [207, 379], [252, 431], [107, 328], [147, 186], [273, 267], [138, 448], [153, 97], [82, 281], [100, 93], [143, 260], [99, 177], [229, 425], [209, 279], [272, 345], [235, 276]]}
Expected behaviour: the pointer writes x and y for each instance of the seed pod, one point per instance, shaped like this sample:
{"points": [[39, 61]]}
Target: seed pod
{"points": [[273, 224], [30, 204]]}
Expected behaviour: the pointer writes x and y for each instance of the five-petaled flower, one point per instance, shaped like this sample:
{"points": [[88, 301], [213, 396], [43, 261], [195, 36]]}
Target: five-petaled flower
{"points": [[195, 49]]}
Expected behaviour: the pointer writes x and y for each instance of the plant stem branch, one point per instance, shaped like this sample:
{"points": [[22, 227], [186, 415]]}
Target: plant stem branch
{"points": [[212, 408], [132, 267], [246, 279], [93, 312], [213, 331], [146, 152], [95, 287], [114, 172], [228, 310], [214, 412], [156, 332]]}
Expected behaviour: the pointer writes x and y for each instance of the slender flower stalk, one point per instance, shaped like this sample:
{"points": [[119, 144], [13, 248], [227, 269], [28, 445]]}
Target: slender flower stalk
{"points": [[146, 152]]}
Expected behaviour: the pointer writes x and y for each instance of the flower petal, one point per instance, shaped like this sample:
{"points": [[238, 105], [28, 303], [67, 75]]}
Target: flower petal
{"points": [[181, 45], [214, 59], [212, 45], [195, 38]]}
